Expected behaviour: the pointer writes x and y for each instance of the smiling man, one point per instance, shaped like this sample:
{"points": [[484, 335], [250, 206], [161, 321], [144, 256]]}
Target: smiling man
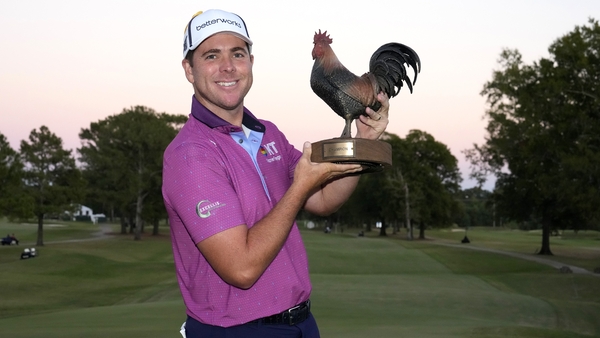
{"points": [[232, 186]]}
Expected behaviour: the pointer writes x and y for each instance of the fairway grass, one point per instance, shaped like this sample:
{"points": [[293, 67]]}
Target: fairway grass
{"points": [[362, 287], [430, 291]]}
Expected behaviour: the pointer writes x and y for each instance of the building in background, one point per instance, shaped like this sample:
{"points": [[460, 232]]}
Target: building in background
{"points": [[84, 213]]}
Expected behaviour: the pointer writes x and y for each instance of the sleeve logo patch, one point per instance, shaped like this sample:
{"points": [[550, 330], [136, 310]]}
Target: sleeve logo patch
{"points": [[204, 208]]}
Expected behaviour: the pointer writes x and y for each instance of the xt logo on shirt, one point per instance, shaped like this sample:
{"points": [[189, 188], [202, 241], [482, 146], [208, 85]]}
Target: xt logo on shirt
{"points": [[204, 207], [269, 149]]}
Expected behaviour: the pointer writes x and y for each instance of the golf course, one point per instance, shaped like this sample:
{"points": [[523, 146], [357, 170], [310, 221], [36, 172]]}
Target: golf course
{"points": [[91, 281]]}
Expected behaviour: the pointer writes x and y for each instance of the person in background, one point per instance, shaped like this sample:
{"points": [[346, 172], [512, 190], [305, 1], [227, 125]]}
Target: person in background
{"points": [[232, 187]]}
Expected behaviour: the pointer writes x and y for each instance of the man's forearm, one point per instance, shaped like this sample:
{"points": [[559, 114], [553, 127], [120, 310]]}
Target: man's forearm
{"points": [[332, 195]]}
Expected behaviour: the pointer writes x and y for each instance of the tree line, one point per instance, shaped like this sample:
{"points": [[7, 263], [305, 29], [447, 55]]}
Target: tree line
{"points": [[542, 145], [118, 171]]}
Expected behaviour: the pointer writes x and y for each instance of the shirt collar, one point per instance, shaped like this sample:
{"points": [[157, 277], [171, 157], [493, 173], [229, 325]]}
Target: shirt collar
{"points": [[204, 115]]}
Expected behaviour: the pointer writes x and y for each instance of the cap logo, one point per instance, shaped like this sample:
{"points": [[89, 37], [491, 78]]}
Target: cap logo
{"points": [[216, 21]]}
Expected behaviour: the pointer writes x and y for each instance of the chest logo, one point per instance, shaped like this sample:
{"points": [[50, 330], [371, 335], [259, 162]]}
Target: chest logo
{"points": [[269, 149]]}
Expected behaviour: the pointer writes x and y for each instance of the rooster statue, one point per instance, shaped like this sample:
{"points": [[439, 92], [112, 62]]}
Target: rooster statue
{"points": [[349, 95]]}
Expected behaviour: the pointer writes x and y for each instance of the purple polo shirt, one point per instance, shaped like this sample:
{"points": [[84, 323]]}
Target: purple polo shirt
{"points": [[211, 184]]}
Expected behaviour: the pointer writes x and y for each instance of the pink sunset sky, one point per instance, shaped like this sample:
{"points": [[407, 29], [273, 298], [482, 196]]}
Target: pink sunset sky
{"points": [[65, 64]]}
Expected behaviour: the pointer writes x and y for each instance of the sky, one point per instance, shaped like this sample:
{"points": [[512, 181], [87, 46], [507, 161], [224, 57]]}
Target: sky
{"points": [[65, 64]]}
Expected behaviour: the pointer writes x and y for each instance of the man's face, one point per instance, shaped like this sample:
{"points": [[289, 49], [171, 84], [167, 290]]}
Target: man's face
{"points": [[221, 73]]}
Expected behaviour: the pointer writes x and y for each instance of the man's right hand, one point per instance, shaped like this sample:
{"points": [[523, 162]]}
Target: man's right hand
{"points": [[312, 176]]}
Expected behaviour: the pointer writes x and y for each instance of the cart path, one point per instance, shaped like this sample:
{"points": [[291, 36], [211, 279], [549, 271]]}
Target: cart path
{"points": [[104, 232], [534, 258]]}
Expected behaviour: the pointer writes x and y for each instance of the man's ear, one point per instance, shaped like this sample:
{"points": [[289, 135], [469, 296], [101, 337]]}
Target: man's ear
{"points": [[187, 68]]}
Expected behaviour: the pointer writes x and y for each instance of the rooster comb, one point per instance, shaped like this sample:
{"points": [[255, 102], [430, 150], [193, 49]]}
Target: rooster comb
{"points": [[322, 37]]}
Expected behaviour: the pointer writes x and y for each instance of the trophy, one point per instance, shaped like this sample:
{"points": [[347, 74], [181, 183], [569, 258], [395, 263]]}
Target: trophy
{"points": [[348, 96]]}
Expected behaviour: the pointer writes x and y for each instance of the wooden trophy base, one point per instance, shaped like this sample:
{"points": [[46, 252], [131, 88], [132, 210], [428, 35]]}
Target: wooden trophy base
{"points": [[373, 155]]}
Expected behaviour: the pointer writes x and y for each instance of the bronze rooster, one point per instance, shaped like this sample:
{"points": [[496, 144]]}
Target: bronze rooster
{"points": [[349, 95]]}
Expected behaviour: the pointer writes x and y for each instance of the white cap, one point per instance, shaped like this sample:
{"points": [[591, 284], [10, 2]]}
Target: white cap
{"points": [[206, 24]]}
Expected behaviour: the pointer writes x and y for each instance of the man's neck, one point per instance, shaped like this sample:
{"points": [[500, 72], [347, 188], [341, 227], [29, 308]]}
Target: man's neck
{"points": [[233, 116]]}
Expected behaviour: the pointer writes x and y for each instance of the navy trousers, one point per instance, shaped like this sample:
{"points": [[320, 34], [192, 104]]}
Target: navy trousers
{"points": [[306, 329]]}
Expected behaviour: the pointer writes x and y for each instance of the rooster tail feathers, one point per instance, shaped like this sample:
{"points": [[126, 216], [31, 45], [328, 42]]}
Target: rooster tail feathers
{"points": [[388, 66]]}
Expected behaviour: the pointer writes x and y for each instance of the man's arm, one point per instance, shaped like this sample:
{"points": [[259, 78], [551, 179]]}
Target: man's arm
{"points": [[240, 255]]}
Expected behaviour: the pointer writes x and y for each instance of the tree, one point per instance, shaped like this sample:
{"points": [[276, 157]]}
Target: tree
{"points": [[51, 179], [397, 187], [543, 134], [371, 207], [13, 203], [123, 155], [420, 185], [478, 208], [435, 180]]}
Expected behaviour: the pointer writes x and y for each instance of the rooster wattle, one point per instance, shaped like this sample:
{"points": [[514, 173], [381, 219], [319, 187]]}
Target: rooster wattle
{"points": [[349, 95]]}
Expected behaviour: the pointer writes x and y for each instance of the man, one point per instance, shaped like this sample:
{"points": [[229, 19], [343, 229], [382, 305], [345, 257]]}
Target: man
{"points": [[233, 185]]}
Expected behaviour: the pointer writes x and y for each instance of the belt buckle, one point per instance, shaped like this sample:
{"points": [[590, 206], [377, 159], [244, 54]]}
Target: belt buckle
{"points": [[290, 316], [289, 311]]}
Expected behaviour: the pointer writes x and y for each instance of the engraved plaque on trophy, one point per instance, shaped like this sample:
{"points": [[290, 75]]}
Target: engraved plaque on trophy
{"points": [[371, 154]]}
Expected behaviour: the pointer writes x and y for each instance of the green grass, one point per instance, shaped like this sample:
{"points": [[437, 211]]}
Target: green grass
{"points": [[362, 286], [431, 290]]}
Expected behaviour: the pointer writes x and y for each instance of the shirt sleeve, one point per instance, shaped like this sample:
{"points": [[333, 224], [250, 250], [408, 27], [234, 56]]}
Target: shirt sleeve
{"points": [[198, 189]]}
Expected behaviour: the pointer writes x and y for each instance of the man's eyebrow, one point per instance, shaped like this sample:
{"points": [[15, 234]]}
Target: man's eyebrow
{"points": [[237, 49], [217, 50], [212, 51]]}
